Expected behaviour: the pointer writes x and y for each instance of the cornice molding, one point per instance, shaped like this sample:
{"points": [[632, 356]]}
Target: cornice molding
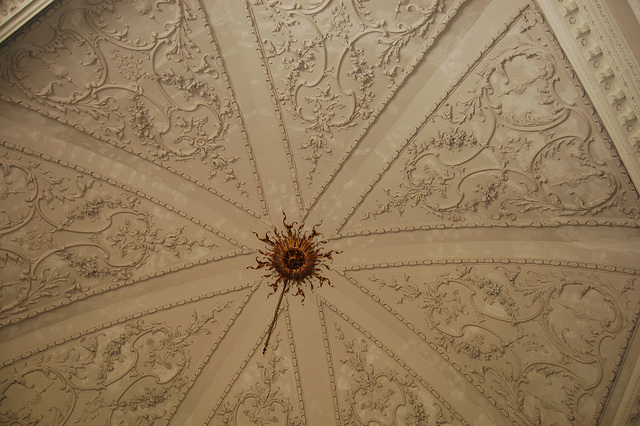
{"points": [[610, 76], [15, 13], [635, 7]]}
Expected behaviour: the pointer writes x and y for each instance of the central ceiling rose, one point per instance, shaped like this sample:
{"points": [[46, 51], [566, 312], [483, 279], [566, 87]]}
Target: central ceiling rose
{"points": [[293, 257]]}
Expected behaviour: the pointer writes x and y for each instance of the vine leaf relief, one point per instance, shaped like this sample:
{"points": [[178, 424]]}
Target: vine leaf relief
{"points": [[375, 388], [514, 142], [133, 372], [530, 336], [264, 389], [335, 65], [154, 85], [63, 235]]}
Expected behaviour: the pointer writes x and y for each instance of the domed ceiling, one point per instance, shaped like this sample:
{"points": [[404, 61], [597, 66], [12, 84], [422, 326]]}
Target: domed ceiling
{"points": [[487, 230]]}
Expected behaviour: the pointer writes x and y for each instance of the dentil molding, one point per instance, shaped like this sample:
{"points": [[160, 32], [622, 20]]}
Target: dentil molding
{"points": [[610, 75], [611, 78], [635, 7], [16, 13]]}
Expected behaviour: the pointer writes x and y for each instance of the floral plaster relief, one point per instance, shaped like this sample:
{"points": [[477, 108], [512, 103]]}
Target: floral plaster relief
{"points": [[542, 341], [65, 235], [515, 142], [264, 390], [371, 384], [133, 372], [333, 67], [520, 325], [153, 84]]}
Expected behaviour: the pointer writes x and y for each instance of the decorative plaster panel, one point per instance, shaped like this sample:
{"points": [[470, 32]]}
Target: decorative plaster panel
{"points": [[134, 370], [124, 290], [531, 337], [374, 391], [332, 69], [489, 152], [262, 391], [65, 235], [610, 75], [154, 85]]}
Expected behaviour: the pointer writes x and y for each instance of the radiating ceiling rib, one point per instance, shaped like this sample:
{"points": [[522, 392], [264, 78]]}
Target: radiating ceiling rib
{"points": [[392, 334], [485, 313], [191, 282], [62, 142], [422, 95], [277, 171]]}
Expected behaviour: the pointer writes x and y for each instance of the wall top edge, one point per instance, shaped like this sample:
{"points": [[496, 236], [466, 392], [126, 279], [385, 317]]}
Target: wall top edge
{"points": [[15, 13]]}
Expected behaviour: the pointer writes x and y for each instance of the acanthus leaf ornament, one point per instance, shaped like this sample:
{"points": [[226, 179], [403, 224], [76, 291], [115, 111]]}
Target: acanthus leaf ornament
{"points": [[295, 258]]}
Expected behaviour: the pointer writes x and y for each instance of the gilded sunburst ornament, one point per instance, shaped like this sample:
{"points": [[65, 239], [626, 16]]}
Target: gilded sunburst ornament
{"points": [[292, 257]]}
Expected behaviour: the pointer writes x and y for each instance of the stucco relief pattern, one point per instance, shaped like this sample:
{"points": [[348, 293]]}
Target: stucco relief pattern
{"points": [[490, 152], [9, 7], [65, 235], [266, 389], [512, 142], [375, 392], [154, 85], [333, 66], [615, 72], [133, 371], [542, 341]]}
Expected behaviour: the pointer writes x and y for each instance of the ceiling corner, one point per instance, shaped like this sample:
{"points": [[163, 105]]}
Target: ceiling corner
{"points": [[603, 62], [15, 13]]}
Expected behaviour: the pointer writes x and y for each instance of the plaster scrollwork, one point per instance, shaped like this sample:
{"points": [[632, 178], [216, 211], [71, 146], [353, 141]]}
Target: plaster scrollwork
{"points": [[43, 75], [334, 65], [634, 417], [261, 392], [154, 86], [378, 393], [264, 402], [611, 74], [65, 235], [375, 392], [371, 391], [496, 143], [191, 135], [171, 35], [132, 372], [532, 338]]}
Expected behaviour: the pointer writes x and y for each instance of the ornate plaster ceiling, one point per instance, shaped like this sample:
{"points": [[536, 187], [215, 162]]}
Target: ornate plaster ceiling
{"points": [[488, 228]]}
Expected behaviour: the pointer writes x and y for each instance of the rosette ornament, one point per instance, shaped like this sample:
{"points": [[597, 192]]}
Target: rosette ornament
{"points": [[292, 258]]}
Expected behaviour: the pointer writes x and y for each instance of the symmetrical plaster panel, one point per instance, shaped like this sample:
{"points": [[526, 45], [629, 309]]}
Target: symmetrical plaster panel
{"points": [[472, 167]]}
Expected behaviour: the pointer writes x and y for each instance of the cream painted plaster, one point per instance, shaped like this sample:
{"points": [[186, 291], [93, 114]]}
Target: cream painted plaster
{"points": [[465, 158]]}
